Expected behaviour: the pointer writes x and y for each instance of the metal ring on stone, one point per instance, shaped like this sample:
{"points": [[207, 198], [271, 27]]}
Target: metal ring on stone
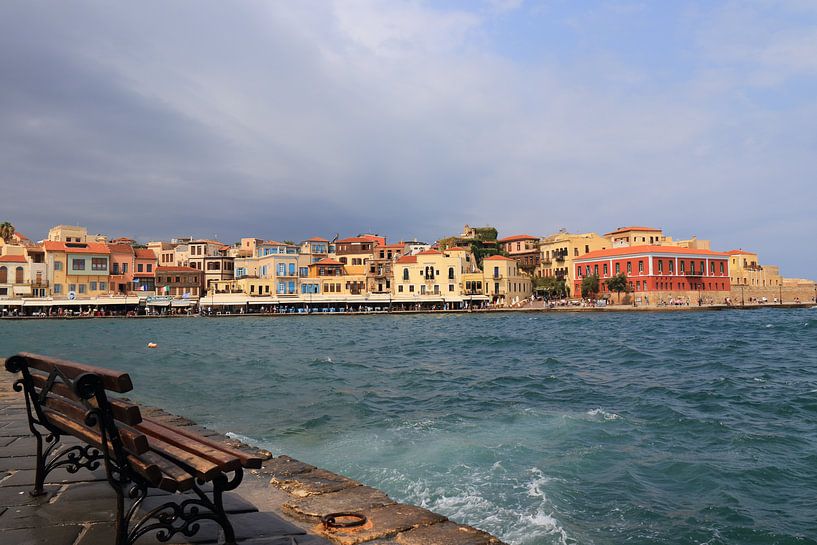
{"points": [[331, 520]]}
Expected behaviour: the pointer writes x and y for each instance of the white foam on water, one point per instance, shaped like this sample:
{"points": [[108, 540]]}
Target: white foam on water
{"points": [[769, 325], [603, 414]]}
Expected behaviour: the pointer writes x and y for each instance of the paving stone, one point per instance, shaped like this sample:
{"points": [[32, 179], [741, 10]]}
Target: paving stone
{"points": [[15, 430], [104, 534], [358, 498], [21, 446], [283, 467], [383, 522], [19, 495], [58, 476], [19, 462], [446, 533], [317, 481], [262, 525], [233, 503], [6, 440], [289, 540], [87, 491], [31, 516], [48, 535]]}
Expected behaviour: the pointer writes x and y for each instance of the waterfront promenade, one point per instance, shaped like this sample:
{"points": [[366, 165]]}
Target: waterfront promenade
{"points": [[280, 504]]}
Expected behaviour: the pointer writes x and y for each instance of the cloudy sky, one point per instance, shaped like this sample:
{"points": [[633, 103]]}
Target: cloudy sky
{"points": [[289, 119]]}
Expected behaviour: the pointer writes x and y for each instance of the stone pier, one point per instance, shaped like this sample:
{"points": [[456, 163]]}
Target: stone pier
{"points": [[280, 504]]}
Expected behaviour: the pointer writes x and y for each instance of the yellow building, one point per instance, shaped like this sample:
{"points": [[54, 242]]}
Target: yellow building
{"points": [[558, 251], [77, 270], [745, 270], [504, 283], [432, 274]]}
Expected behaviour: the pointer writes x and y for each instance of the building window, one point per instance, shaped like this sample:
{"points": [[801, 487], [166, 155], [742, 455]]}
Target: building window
{"points": [[618, 268], [660, 267], [105, 266], [606, 270], [93, 286], [72, 287], [82, 288], [411, 287], [451, 273], [58, 288], [721, 267], [671, 268], [304, 271], [640, 267], [629, 267], [406, 274], [101, 264], [58, 265], [139, 267], [78, 265], [103, 286], [150, 267], [682, 268]]}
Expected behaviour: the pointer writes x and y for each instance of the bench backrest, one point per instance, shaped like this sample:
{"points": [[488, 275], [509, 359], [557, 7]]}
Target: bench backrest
{"points": [[52, 389]]}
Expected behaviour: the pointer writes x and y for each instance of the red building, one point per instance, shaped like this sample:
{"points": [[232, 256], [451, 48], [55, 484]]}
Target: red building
{"points": [[658, 269]]}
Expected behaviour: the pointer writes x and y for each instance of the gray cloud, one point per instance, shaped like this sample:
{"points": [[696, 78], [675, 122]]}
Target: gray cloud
{"points": [[289, 120]]}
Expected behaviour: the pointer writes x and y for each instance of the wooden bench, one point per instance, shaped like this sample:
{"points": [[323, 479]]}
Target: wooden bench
{"points": [[68, 398]]}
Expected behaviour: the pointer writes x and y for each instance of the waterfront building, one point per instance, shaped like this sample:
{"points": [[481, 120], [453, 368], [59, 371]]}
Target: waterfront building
{"points": [[179, 282], [15, 279], [636, 236], [745, 270], [558, 252], [524, 249], [504, 282], [68, 233], [657, 273], [122, 265], [380, 271], [165, 252], [77, 270], [144, 275], [316, 248], [434, 275], [357, 251]]}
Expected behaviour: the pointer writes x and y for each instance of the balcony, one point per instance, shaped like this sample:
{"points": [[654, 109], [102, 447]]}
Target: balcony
{"points": [[560, 258], [547, 261]]}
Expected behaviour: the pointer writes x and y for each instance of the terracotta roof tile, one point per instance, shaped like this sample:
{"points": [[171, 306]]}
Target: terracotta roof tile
{"points": [[514, 238], [408, 259], [144, 253], [13, 259], [76, 247], [632, 228], [498, 258], [430, 252]]}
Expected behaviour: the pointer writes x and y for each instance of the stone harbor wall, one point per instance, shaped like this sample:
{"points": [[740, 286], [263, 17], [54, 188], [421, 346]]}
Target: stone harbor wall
{"points": [[281, 503]]}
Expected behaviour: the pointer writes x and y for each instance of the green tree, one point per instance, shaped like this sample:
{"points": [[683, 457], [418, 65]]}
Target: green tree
{"points": [[7, 230], [618, 283], [590, 286], [549, 286]]}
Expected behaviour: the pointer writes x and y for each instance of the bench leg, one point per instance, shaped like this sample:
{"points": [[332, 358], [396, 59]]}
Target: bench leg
{"points": [[175, 517]]}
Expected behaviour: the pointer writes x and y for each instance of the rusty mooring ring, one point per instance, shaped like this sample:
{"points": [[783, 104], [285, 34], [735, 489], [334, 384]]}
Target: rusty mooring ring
{"points": [[331, 520]]}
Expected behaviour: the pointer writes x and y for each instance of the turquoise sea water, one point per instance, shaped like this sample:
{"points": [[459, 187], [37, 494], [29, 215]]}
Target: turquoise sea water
{"points": [[606, 428]]}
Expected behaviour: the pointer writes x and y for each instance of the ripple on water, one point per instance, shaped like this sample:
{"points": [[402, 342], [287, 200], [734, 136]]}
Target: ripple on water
{"points": [[582, 428]]}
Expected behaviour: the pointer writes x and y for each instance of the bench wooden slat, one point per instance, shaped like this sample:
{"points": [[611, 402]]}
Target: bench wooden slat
{"points": [[247, 460], [134, 441], [173, 477], [192, 462], [122, 410], [115, 381], [224, 460], [150, 471]]}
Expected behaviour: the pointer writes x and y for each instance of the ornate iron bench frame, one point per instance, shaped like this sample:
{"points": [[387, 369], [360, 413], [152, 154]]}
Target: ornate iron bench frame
{"points": [[167, 519]]}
